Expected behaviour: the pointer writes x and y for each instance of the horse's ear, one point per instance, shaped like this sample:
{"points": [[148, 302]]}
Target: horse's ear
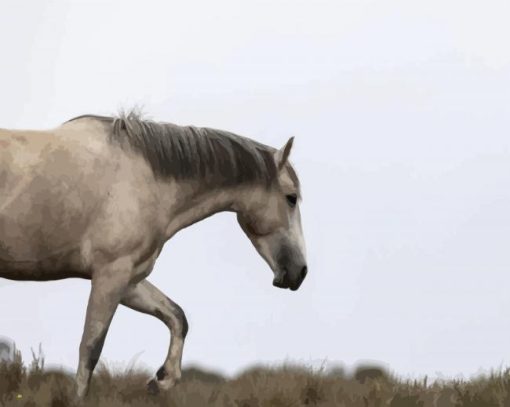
{"points": [[282, 155]]}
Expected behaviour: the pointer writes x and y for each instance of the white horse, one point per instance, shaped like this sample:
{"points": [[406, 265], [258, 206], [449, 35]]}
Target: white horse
{"points": [[98, 197]]}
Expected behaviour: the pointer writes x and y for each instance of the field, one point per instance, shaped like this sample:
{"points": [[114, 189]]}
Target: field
{"points": [[33, 385]]}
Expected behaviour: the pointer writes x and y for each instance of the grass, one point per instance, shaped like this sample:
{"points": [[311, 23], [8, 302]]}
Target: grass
{"points": [[33, 385]]}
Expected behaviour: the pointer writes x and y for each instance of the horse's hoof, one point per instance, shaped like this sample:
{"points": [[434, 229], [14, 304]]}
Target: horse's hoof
{"points": [[152, 387]]}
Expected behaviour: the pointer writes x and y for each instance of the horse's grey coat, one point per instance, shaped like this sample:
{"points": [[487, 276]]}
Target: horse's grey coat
{"points": [[98, 197]]}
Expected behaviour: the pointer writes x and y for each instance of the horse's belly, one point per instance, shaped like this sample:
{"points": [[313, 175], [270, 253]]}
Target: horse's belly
{"points": [[54, 267], [35, 247], [41, 231]]}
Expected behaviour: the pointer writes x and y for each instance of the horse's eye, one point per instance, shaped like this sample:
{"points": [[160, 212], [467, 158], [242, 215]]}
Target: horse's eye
{"points": [[291, 200]]}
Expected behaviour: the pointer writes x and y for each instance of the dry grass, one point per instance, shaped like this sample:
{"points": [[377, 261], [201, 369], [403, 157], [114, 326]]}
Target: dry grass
{"points": [[33, 385]]}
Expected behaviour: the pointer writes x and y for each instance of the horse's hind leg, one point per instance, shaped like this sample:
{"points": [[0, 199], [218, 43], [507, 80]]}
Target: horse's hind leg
{"points": [[108, 286], [146, 298]]}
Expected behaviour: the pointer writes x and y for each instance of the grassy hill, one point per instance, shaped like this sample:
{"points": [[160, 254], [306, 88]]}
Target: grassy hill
{"points": [[33, 385]]}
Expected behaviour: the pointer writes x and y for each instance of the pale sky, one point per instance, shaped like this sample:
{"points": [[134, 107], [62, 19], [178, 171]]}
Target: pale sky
{"points": [[400, 110]]}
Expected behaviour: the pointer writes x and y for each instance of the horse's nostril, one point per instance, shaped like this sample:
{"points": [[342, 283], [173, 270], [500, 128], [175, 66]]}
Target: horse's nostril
{"points": [[304, 272]]}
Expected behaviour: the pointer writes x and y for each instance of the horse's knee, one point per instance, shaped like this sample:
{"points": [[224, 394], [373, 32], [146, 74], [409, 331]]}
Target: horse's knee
{"points": [[181, 316], [175, 318]]}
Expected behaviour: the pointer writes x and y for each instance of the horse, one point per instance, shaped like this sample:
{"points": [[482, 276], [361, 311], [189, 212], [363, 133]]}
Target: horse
{"points": [[97, 198]]}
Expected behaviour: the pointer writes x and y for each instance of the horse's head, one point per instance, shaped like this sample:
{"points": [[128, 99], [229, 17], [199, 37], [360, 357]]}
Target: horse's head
{"points": [[272, 221]]}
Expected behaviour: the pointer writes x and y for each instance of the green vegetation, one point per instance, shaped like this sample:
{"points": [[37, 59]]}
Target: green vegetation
{"points": [[33, 385]]}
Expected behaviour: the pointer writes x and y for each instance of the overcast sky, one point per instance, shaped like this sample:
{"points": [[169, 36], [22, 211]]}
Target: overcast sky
{"points": [[401, 112]]}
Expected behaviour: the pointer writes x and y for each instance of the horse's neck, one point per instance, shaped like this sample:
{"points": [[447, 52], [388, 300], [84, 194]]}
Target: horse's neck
{"points": [[196, 204]]}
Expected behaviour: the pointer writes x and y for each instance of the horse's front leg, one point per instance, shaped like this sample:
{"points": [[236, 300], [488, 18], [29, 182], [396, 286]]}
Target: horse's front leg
{"points": [[109, 284], [146, 298]]}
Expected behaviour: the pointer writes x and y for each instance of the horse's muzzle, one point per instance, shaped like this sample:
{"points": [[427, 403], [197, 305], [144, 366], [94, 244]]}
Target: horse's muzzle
{"points": [[284, 280]]}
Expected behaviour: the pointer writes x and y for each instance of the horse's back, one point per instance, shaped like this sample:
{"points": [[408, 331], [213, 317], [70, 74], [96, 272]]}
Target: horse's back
{"points": [[20, 151], [47, 161], [25, 152]]}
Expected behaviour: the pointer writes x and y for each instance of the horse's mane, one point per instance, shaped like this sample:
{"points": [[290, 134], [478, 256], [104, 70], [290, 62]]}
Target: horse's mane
{"points": [[188, 152]]}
